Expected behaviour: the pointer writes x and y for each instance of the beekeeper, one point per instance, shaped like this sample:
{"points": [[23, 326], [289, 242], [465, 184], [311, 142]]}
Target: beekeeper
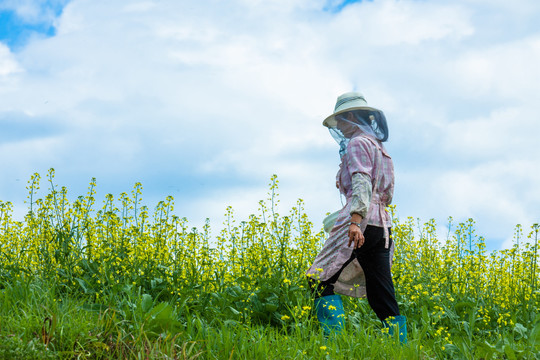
{"points": [[357, 256]]}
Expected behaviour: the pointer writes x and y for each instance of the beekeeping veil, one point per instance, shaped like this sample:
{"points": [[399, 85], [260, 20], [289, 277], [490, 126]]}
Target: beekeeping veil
{"points": [[352, 116]]}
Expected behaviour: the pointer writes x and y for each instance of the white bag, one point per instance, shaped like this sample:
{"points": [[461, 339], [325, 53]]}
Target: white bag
{"points": [[329, 221]]}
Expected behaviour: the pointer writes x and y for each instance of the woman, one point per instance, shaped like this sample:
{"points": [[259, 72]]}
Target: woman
{"points": [[357, 256]]}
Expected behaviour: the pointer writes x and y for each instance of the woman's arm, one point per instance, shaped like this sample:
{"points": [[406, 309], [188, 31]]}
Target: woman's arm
{"points": [[361, 194], [361, 197], [360, 165]]}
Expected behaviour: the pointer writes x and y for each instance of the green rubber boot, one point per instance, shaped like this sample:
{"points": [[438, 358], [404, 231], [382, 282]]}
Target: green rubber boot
{"points": [[330, 314], [399, 323]]}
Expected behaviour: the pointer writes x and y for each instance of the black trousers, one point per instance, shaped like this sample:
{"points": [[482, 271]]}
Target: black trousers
{"points": [[375, 261]]}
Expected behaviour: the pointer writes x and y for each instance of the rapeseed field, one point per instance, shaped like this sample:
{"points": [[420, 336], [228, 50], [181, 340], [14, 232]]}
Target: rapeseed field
{"points": [[119, 280]]}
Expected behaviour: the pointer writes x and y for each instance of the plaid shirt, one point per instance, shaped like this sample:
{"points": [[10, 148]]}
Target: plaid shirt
{"points": [[367, 156]]}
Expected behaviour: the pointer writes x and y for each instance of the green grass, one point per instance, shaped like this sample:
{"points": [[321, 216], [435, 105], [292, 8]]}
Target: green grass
{"points": [[121, 283], [36, 324]]}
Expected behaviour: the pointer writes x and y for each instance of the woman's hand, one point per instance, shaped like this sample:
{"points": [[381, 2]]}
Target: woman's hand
{"points": [[355, 233]]}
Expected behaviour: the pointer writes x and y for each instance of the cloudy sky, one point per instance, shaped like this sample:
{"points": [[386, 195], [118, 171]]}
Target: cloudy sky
{"points": [[205, 100]]}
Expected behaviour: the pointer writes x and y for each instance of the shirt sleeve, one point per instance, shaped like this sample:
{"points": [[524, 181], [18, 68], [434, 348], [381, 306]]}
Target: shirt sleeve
{"points": [[360, 156], [361, 194]]}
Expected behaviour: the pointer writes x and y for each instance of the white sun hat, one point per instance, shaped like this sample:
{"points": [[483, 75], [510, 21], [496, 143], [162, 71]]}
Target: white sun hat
{"points": [[348, 102]]}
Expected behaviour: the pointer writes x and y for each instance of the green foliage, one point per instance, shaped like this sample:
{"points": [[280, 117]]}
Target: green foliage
{"points": [[122, 281]]}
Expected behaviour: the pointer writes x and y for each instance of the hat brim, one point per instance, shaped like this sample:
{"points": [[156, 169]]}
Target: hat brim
{"points": [[331, 121]]}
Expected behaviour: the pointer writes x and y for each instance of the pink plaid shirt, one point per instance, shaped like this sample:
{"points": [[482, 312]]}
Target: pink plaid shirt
{"points": [[367, 156], [364, 155]]}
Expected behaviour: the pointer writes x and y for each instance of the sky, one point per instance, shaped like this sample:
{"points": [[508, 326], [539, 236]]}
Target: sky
{"points": [[205, 100]]}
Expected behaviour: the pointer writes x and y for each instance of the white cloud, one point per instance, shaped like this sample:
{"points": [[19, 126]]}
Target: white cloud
{"points": [[507, 69], [391, 23], [500, 135], [8, 64], [34, 11], [142, 6], [208, 99]]}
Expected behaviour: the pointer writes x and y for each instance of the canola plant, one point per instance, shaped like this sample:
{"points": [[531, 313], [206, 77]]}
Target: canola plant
{"points": [[253, 271]]}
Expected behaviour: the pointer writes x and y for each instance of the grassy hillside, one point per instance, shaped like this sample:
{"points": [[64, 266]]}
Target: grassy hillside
{"points": [[120, 280]]}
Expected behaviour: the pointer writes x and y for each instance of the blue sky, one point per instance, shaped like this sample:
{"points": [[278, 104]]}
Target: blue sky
{"points": [[22, 20], [206, 100]]}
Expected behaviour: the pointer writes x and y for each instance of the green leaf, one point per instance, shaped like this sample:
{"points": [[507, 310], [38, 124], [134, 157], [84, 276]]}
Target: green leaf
{"points": [[270, 307], [451, 348], [156, 283], [510, 352], [243, 279], [160, 312], [146, 303], [425, 315], [230, 323], [521, 330], [85, 286], [235, 292], [464, 307], [95, 307], [534, 336], [160, 319], [234, 311]]}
